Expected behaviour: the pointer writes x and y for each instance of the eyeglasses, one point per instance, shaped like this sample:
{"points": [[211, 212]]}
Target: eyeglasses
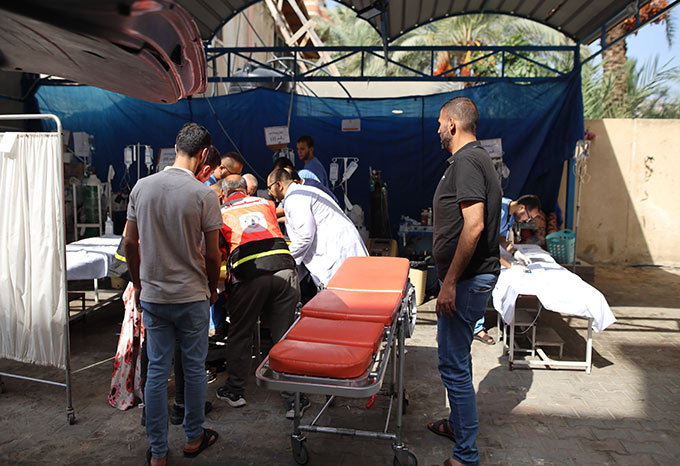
{"points": [[269, 188]]}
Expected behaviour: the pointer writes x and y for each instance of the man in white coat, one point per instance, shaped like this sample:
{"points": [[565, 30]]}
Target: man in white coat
{"points": [[321, 235]]}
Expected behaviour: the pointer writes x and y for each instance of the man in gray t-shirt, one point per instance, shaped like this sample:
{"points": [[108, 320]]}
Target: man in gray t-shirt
{"points": [[169, 215]]}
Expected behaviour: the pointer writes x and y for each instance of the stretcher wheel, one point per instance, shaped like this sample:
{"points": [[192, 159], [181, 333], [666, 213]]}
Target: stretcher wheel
{"points": [[71, 418], [300, 452], [412, 460]]}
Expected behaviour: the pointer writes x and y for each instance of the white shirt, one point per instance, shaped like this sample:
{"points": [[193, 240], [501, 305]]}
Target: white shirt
{"points": [[321, 235]]}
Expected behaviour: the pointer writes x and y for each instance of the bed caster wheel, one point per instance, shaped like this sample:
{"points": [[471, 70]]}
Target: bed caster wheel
{"points": [[300, 452], [71, 418], [412, 460]]}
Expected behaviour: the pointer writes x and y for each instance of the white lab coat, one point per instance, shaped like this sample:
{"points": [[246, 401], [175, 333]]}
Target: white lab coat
{"points": [[321, 235]]}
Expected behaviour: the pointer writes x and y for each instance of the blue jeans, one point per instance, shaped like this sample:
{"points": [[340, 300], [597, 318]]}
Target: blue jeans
{"points": [[188, 324], [218, 313], [479, 326], [454, 335]]}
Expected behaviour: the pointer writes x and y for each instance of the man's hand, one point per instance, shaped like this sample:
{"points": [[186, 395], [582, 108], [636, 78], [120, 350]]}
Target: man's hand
{"points": [[138, 302], [213, 297], [446, 301], [521, 258]]}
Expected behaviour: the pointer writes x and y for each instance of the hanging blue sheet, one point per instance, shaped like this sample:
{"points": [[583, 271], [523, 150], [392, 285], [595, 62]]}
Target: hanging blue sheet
{"points": [[539, 125]]}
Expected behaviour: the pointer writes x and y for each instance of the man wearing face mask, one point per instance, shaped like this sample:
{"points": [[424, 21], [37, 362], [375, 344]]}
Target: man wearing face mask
{"points": [[169, 215]]}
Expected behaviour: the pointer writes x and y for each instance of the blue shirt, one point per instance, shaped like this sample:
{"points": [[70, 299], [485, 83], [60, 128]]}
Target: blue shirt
{"points": [[315, 167], [210, 181], [506, 219]]}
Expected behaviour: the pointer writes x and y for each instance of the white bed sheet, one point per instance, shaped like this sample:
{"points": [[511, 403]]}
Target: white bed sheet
{"points": [[557, 289], [90, 258]]}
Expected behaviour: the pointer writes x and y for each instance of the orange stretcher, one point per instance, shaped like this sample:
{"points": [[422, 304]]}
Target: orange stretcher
{"points": [[342, 344]]}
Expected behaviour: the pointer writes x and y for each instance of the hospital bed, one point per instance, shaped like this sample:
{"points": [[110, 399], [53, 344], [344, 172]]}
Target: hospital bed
{"points": [[557, 290], [342, 344], [90, 259]]}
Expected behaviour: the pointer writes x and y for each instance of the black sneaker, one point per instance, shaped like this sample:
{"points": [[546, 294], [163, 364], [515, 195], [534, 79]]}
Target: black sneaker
{"points": [[304, 404], [234, 400], [177, 412]]}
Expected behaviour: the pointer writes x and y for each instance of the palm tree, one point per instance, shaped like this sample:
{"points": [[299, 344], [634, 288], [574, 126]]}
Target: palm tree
{"points": [[615, 58]]}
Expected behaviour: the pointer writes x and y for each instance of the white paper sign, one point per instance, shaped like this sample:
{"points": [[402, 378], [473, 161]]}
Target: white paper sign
{"points": [[493, 147], [353, 124], [275, 135], [166, 157]]}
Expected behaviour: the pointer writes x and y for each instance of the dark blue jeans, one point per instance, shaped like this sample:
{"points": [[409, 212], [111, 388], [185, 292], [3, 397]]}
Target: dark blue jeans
{"points": [[188, 324], [454, 337]]}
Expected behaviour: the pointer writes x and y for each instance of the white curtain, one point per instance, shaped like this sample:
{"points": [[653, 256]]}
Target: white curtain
{"points": [[32, 307]]}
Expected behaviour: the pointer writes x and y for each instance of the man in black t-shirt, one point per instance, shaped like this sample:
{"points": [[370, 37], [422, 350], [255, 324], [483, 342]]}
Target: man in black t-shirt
{"points": [[467, 205]]}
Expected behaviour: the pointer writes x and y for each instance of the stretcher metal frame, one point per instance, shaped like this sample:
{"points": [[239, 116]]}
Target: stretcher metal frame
{"points": [[368, 384], [70, 413], [509, 346]]}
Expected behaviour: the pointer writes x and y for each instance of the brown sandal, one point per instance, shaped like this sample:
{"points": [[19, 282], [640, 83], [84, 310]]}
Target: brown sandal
{"points": [[443, 428], [208, 439]]}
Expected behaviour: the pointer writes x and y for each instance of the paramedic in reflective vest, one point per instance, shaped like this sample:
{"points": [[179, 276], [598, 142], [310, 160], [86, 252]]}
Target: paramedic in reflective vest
{"points": [[262, 279]]}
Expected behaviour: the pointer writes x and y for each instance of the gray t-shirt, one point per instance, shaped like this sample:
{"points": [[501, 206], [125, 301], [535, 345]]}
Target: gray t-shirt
{"points": [[172, 210]]}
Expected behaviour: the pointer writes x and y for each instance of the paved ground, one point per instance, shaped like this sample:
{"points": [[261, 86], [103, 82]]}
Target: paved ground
{"points": [[627, 412]]}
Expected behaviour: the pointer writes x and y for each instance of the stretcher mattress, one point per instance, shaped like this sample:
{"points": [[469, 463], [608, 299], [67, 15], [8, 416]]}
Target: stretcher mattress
{"points": [[380, 274], [90, 258], [364, 306], [338, 332], [319, 359]]}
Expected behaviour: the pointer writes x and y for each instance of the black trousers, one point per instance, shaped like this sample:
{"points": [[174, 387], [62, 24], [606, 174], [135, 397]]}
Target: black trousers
{"points": [[272, 296]]}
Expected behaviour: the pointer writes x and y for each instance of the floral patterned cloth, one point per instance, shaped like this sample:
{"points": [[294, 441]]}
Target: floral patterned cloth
{"points": [[126, 381]]}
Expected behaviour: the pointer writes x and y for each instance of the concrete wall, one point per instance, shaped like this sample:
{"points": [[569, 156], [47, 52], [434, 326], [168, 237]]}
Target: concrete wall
{"points": [[630, 204]]}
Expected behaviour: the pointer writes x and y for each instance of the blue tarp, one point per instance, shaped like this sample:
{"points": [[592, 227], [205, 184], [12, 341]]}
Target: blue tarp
{"points": [[539, 125]]}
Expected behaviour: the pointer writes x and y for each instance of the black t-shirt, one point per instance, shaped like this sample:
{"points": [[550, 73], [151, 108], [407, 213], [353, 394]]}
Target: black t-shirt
{"points": [[469, 176]]}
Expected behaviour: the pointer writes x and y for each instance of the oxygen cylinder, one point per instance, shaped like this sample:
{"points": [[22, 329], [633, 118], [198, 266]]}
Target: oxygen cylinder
{"points": [[91, 202]]}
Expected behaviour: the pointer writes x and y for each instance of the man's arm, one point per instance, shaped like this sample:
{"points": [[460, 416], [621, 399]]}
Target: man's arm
{"points": [[473, 225], [212, 262], [132, 257], [300, 227]]}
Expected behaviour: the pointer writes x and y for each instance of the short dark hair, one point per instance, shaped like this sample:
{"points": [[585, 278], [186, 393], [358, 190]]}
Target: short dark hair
{"points": [[192, 139], [279, 174], [282, 162], [464, 111], [307, 140], [213, 158], [293, 174], [530, 201], [235, 156]]}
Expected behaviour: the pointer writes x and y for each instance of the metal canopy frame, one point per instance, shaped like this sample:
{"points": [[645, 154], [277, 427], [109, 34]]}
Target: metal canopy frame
{"points": [[297, 73]]}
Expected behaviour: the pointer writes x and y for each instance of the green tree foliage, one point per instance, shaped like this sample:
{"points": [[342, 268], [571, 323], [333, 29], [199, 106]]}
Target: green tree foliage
{"points": [[648, 93]]}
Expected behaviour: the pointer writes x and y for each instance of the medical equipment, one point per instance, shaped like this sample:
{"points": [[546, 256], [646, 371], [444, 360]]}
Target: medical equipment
{"points": [[148, 158], [342, 343], [333, 173], [581, 156], [350, 165], [132, 153]]}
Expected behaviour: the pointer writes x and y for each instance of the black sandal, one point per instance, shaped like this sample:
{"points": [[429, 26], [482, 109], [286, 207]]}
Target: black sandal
{"points": [[208, 435], [443, 428]]}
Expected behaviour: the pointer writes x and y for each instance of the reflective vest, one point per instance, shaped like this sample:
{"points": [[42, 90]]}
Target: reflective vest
{"points": [[254, 243]]}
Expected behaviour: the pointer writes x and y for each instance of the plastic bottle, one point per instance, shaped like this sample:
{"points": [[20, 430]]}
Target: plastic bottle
{"points": [[108, 226]]}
